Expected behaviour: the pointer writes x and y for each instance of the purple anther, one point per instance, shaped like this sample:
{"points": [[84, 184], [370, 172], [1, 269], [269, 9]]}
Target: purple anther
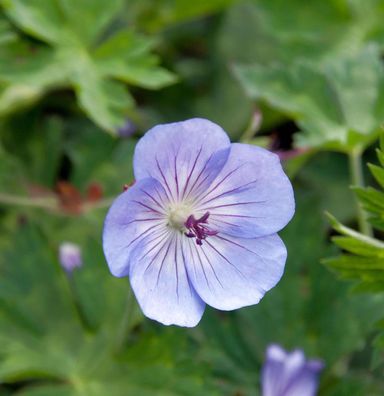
{"points": [[190, 221], [203, 218], [197, 230]]}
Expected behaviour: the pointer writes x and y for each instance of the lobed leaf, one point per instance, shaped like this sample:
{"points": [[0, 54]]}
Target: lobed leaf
{"points": [[338, 105], [80, 55]]}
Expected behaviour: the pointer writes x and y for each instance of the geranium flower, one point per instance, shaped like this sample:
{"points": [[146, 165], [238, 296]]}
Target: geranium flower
{"points": [[199, 224], [289, 374], [70, 256]]}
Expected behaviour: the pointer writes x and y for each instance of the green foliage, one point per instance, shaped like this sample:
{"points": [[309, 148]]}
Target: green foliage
{"points": [[42, 335], [316, 64], [308, 309], [363, 257], [337, 106], [79, 54], [165, 13], [275, 31]]}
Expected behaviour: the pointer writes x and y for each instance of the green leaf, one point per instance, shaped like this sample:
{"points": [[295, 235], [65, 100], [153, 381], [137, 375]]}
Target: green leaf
{"points": [[334, 105], [164, 13], [125, 57], [372, 201], [378, 173], [43, 338], [106, 100], [79, 55], [309, 307], [39, 18], [363, 256], [274, 31], [88, 18]]}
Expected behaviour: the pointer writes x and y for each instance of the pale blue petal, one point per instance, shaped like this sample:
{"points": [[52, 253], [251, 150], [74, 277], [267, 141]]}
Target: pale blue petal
{"points": [[289, 374], [137, 213], [305, 382], [184, 156], [229, 272], [251, 196], [161, 284]]}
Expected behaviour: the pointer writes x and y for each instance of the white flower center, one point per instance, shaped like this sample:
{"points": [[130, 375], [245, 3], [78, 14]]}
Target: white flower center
{"points": [[177, 216]]}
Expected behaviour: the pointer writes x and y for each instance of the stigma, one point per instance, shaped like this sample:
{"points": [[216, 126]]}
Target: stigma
{"points": [[197, 228]]}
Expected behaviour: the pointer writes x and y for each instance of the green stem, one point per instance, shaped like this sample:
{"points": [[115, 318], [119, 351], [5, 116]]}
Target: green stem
{"points": [[76, 302], [357, 178], [252, 128], [125, 323], [50, 203], [10, 199]]}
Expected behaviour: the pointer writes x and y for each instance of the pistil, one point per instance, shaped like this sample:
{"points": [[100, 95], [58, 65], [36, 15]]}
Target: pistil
{"points": [[197, 228]]}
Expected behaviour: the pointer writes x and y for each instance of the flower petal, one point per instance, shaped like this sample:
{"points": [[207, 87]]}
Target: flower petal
{"points": [[305, 382], [161, 284], [135, 214], [273, 370], [251, 196], [229, 272], [184, 156], [289, 374]]}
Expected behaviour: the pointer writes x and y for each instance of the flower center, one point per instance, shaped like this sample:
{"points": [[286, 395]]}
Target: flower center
{"points": [[197, 228], [180, 219], [177, 216]]}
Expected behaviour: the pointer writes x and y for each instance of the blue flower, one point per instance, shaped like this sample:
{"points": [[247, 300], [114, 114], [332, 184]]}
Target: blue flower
{"points": [[199, 225], [289, 374], [70, 256], [127, 130]]}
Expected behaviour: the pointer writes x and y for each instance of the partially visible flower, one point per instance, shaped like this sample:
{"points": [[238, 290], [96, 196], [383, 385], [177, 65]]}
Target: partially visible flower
{"points": [[199, 226], [289, 374], [70, 256], [127, 130]]}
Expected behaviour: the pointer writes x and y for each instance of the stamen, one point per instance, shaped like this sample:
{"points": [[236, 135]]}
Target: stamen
{"points": [[197, 228]]}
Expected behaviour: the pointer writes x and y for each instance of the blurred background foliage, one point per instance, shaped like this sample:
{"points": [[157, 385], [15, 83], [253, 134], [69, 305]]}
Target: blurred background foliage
{"points": [[80, 81]]}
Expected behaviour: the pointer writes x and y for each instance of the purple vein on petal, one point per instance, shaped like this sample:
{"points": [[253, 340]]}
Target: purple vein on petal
{"points": [[243, 247], [165, 256], [157, 254], [152, 229], [185, 266], [200, 262], [224, 222], [160, 197], [139, 220], [225, 258], [170, 196], [191, 172], [153, 199], [235, 215], [234, 190], [233, 204], [198, 177], [221, 181], [162, 237], [210, 264], [237, 244], [176, 178], [192, 257], [148, 207], [176, 267]]}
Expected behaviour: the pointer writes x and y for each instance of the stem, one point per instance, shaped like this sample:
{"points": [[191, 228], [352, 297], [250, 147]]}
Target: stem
{"points": [[357, 178], [252, 128], [126, 322], [76, 302], [50, 203], [10, 199]]}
